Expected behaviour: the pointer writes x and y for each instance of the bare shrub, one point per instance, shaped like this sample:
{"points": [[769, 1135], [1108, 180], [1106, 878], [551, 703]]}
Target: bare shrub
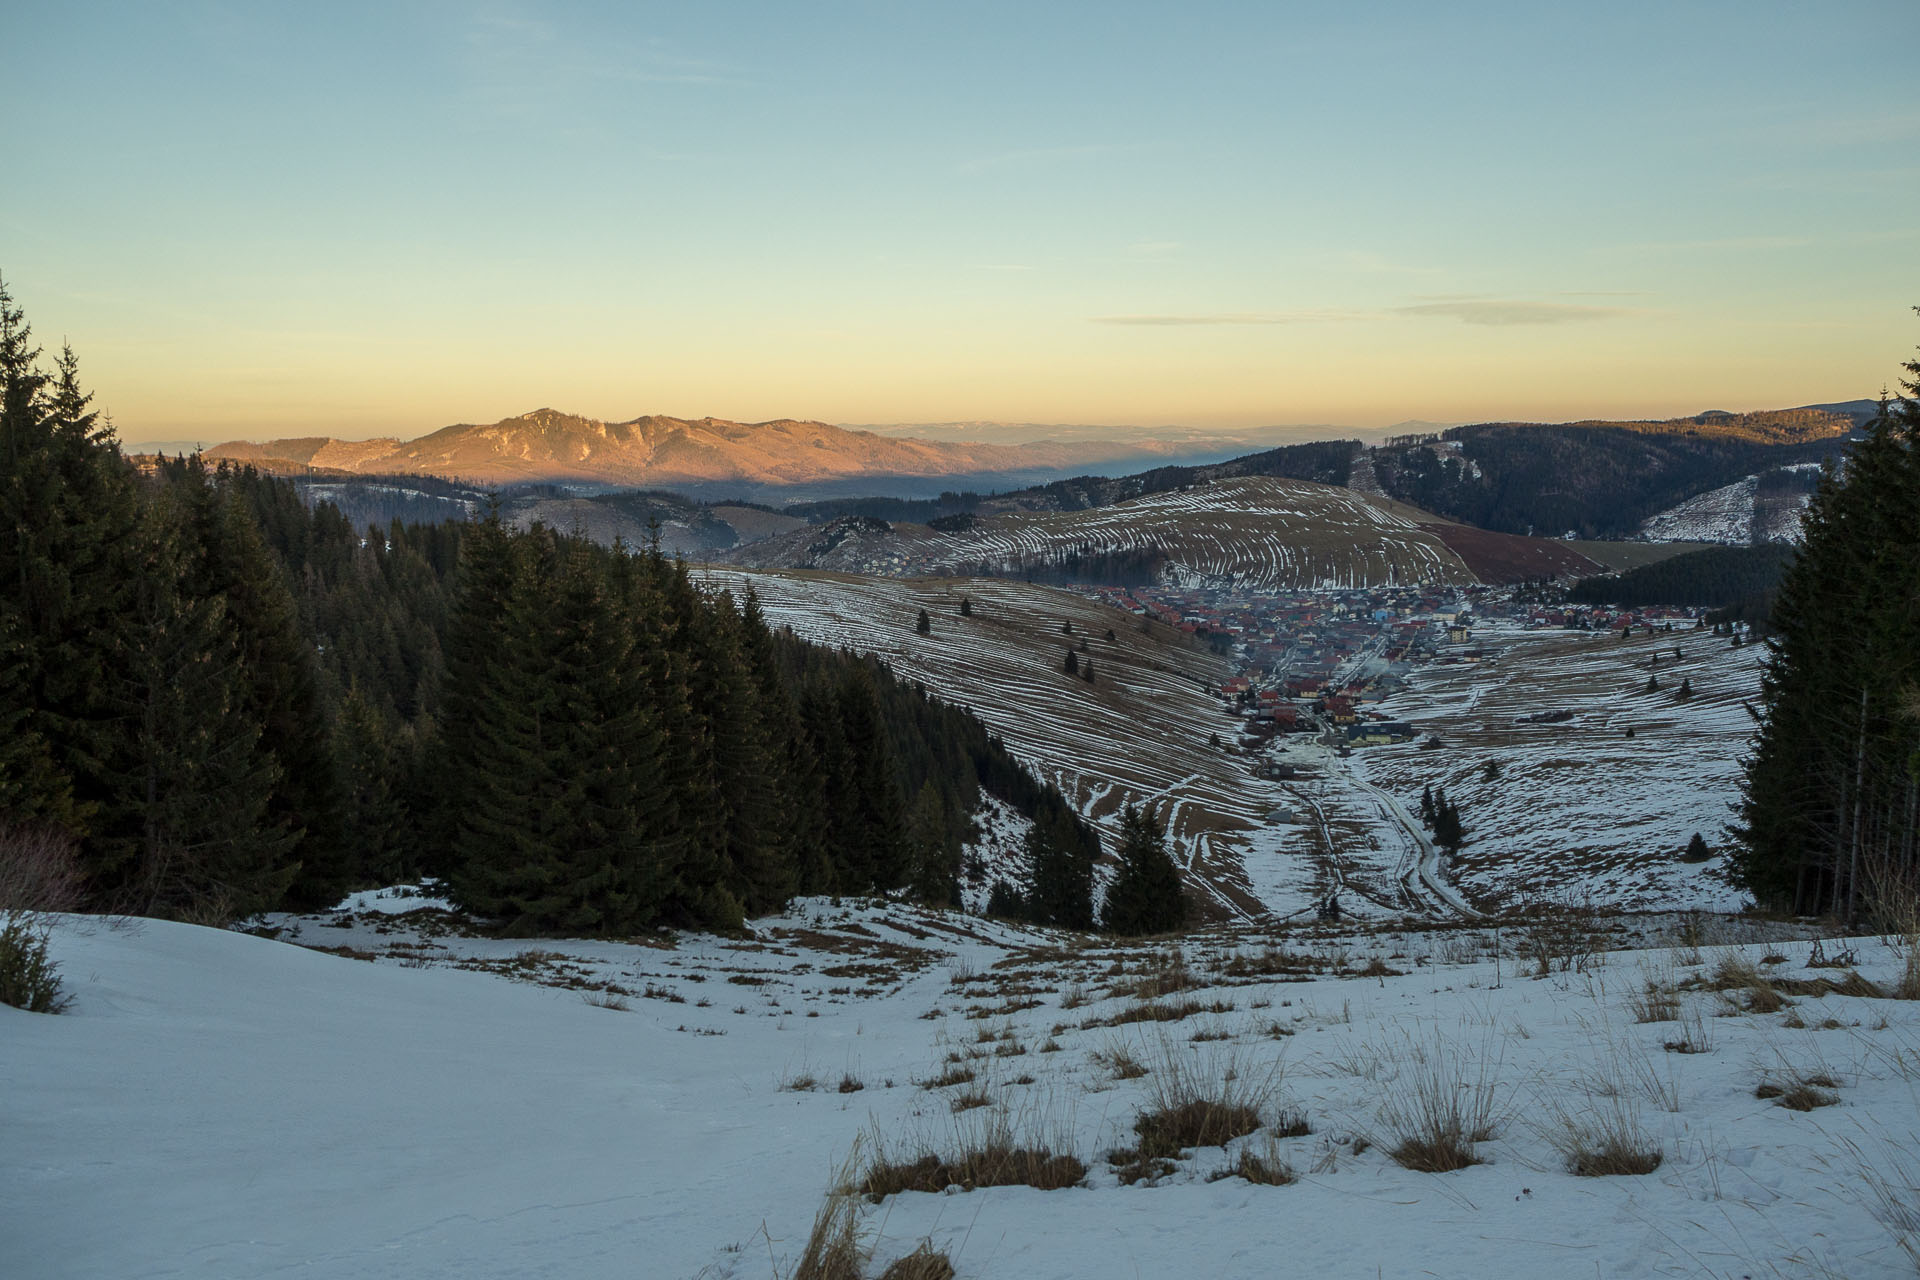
{"points": [[39, 870], [1444, 1100], [1561, 936]]}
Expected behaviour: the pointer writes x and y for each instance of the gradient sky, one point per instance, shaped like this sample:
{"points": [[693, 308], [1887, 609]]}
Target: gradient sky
{"points": [[274, 219]]}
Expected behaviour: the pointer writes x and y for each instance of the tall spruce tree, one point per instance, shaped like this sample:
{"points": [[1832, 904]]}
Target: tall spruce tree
{"points": [[1059, 878], [184, 825], [1830, 797], [1145, 895]]}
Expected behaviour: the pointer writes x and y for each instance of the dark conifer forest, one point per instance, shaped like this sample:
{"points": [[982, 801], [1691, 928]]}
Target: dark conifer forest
{"points": [[232, 702], [1830, 816]]}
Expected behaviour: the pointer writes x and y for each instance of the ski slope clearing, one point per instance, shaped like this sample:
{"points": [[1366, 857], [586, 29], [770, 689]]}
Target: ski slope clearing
{"points": [[221, 1105], [1138, 732], [1572, 808]]}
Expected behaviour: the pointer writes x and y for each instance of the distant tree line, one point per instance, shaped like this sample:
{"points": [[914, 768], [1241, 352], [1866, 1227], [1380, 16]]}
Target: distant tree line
{"points": [[1830, 810], [1598, 481], [1714, 577], [231, 702]]}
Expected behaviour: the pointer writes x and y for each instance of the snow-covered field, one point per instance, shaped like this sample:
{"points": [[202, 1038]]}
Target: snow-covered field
{"points": [[1577, 809], [221, 1105]]}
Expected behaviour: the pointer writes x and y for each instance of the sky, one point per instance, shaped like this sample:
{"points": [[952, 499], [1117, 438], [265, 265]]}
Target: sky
{"points": [[257, 220]]}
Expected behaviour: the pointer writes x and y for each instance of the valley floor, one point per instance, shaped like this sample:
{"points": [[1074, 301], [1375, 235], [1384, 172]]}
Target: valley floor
{"points": [[431, 1104]]}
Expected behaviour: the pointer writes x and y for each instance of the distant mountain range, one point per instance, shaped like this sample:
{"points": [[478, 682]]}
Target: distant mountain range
{"points": [[655, 451]]}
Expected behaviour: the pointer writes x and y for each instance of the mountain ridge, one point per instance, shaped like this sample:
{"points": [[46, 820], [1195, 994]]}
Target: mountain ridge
{"points": [[655, 449]]}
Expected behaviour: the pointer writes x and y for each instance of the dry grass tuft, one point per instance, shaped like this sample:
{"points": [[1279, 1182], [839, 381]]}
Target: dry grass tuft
{"points": [[1695, 1035], [1607, 1140], [1657, 1003], [924, 1263], [1800, 1093], [991, 1165], [1119, 1059], [1158, 1011], [833, 1249], [951, 1076], [1443, 1102], [1201, 1122], [1263, 1168]]}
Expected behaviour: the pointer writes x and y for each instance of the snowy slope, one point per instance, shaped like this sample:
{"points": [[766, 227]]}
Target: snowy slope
{"points": [[1139, 733], [218, 1105], [1736, 513], [1576, 809]]}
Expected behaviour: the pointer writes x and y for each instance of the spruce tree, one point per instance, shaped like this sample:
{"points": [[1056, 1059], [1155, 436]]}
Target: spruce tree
{"points": [[925, 625], [932, 873], [1145, 895], [1060, 879], [1829, 801], [184, 826]]}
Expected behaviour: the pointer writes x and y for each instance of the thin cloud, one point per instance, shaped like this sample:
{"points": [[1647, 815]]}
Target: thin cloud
{"points": [[1229, 318], [1504, 311]]}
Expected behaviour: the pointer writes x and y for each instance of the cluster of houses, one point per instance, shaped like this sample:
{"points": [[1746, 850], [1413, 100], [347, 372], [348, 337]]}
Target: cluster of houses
{"points": [[1319, 661]]}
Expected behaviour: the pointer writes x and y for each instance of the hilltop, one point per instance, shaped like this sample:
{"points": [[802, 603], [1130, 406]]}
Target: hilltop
{"points": [[1256, 531]]}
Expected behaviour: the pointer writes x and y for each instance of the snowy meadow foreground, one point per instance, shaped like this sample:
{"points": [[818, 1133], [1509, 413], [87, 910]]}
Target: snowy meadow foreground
{"points": [[1724, 1099]]}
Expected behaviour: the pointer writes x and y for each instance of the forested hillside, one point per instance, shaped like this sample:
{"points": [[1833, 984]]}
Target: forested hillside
{"points": [[226, 700], [1593, 480], [1715, 577]]}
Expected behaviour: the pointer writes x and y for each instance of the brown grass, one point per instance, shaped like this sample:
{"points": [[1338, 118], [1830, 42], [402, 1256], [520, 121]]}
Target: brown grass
{"points": [[924, 1263], [1262, 1168], [990, 1164], [833, 1249], [1607, 1140], [1443, 1102]]}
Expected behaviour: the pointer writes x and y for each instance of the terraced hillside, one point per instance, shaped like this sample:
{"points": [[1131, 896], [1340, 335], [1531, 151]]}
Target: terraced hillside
{"points": [[1575, 807], [1138, 732], [1257, 532]]}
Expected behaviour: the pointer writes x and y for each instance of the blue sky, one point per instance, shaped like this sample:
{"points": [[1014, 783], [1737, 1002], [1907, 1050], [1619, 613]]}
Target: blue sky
{"points": [[262, 220]]}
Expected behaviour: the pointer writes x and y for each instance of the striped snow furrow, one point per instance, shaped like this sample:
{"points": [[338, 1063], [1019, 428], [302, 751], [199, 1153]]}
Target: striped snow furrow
{"points": [[1260, 532], [1141, 733]]}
